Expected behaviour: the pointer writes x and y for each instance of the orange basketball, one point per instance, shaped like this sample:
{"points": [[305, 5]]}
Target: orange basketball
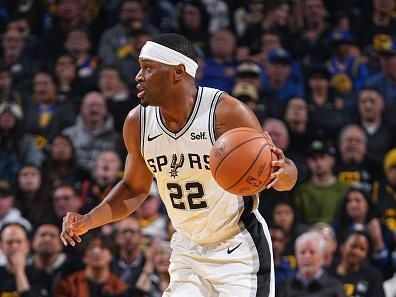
{"points": [[240, 161]]}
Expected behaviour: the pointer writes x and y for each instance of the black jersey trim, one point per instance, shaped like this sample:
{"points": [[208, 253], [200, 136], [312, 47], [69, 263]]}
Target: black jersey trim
{"points": [[189, 121], [142, 128], [212, 120]]}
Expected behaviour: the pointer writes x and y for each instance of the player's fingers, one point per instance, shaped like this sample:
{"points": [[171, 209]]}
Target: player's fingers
{"points": [[277, 173], [69, 240], [77, 238], [278, 163], [279, 153], [273, 182]]}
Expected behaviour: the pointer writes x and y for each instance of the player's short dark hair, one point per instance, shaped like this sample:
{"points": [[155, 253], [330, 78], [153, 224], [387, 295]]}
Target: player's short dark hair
{"points": [[178, 43]]}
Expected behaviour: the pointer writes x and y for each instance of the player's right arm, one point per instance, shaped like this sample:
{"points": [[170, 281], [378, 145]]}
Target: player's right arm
{"points": [[124, 198]]}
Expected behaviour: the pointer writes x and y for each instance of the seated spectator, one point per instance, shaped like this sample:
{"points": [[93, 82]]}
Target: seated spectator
{"points": [[105, 175], [353, 166], [16, 147], [93, 132], [311, 279], [31, 195], [60, 165], [13, 58], [220, 66], [17, 279], [78, 46], [45, 115], [320, 198], [8, 93], [385, 81], [386, 203], [283, 267], [127, 57], [248, 94], [277, 80], [116, 92], [48, 261], [8, 213], [380, 136], [284, 215], [348, 72], [152, 221], [326, 112], [390, 284], [96, 279], [359, 278], [357, 213], [329, 236], [64, 199], [130, 257]]}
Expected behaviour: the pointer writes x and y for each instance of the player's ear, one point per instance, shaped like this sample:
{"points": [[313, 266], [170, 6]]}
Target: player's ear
{"points": [[180, 71]]}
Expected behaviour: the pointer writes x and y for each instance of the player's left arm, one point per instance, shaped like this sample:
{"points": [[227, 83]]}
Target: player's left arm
{"points": [[230, 114]]}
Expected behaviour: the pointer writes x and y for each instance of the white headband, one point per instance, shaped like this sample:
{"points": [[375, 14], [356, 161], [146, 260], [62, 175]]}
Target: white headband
{"points": [[157, 52]]}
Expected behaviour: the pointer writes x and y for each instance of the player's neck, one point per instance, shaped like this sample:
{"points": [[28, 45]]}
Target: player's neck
{"points": [[176, 112]]}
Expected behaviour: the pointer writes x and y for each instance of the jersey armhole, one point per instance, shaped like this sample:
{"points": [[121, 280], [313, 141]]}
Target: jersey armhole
{"points": [[212, 120], [142, 128]]}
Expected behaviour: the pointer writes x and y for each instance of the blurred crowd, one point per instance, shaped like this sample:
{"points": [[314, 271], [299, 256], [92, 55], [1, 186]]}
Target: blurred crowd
{"points": [[320, 76]]}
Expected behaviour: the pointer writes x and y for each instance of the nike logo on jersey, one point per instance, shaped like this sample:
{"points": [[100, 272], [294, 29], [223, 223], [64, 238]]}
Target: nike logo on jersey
{"points": [[229, 251], [149, 138]]}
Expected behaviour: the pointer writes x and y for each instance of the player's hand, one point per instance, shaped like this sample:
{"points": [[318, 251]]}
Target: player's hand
{"points": [[73, 226], [278, 165]]}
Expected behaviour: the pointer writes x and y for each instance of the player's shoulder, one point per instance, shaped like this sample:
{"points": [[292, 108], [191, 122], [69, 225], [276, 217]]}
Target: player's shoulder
{"points": [[131, 130]]}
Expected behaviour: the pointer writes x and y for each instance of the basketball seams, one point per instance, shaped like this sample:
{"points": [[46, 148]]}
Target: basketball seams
{"points": [[239, 145], [250, 166]]}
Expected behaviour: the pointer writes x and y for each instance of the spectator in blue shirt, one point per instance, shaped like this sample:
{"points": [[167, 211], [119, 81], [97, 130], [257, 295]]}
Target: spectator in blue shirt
{"points": [[277, 77]]}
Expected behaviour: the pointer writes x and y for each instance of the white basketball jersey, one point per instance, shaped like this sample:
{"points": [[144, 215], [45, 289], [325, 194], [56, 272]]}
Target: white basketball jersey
{"points": [[198, 208]]}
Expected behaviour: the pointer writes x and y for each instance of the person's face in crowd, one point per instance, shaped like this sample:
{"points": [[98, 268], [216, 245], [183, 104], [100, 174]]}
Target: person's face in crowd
{"points": [[107, 167], [279, 71], [384, 6], [278, 133], [161, 260], [388, 65], [353, 146], [61, 149], [77, 42], [68, 9], [5, 81], [250, 78], [6, 202], [131, 11], [283, 216], [278, 241], [20, 25], [14, 240], [110, 81], [342, 50], [355, 250], [97, 256], [318, 84], [139, 40], [46, 240], [191, 17], [7, 120], [314, 10], [222, 44], [282, 13], [29, 179], [93, 107], [371, 105], [149, 208], [44, 88], [64, 200], [320, 164], [13, 43], [391, 175], [309, 257], [296, 111], [128, 234], [356, 206], [331, 244], [270, 41], [65, 68]]}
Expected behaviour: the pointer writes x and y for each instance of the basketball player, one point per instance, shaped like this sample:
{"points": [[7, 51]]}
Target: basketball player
{"points": [[222, 245]]}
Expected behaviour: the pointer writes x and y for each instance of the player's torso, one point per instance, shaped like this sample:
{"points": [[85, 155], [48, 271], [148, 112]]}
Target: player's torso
{"points": [[197, 206]]}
